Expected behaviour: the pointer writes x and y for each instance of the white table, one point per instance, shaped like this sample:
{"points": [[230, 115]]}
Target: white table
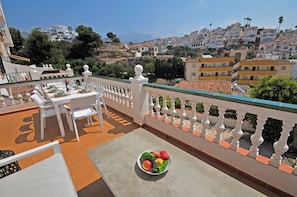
{"points": [[57, 101]]}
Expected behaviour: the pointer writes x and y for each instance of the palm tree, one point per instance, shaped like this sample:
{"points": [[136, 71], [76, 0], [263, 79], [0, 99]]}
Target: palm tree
{"points": [[247, 21], [280, 21]]}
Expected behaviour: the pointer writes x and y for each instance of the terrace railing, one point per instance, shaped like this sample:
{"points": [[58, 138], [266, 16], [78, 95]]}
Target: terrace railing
{"points": [[155, 105]]}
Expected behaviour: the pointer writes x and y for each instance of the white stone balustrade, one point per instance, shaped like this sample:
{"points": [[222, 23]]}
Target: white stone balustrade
{"points": [[142, 101]]}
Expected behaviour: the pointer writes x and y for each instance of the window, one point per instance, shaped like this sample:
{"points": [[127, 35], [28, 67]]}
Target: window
{"points": [[193, 74], [283, 68], [193, 65], [246, 68]]}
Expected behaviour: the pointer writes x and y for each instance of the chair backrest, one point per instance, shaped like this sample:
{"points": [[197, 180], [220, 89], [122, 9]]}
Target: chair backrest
{"points": [[84, 102], [83, 84], [38, 93], [37, 89], [100, 90], [90, 86], [37, 100]]}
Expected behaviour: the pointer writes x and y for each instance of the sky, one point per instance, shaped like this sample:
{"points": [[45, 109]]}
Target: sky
{"points": [[158, 18]]}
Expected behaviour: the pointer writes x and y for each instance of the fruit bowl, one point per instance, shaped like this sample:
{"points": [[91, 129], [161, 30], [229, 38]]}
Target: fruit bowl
{"points": [[156, 164]]}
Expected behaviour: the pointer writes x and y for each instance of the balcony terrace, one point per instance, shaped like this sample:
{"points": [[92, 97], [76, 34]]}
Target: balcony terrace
{"points": [[218, 141]]}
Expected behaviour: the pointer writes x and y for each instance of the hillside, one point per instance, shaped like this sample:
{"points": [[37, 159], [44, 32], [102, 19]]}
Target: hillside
{"points": [[113, 52]]}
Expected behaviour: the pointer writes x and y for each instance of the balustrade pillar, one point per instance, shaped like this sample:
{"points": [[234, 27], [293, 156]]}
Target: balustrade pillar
{"points": [[281, 146], [165, 109], [219, 127], [193, 116], [2, 101], [140, 97], [182, 113], [151, 104], [173, 110], [257, 138], [205, 121], [237, 131], [157, 106], [11, 99], [19, 96]]}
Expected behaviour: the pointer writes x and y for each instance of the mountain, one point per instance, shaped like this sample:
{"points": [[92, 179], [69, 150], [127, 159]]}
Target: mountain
{"points": [[135, 37]]}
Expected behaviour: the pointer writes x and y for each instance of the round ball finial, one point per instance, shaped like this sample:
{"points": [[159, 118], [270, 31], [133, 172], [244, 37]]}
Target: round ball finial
{"points": [[138, 72], [86, 67]]}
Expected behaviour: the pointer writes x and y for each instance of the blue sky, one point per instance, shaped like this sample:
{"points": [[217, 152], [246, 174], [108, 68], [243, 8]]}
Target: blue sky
{"points": [[158, 18]]}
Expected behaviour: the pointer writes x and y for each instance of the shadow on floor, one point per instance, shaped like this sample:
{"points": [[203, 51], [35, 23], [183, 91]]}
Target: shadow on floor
{"points": [[97, 188]]}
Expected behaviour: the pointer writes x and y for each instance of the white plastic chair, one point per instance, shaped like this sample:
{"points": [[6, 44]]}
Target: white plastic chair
{"points": [[45, 112], [90, 86], [84, 108], [46, 101], [100, 99]]}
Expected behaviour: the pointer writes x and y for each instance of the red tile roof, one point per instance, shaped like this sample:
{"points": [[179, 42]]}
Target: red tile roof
{"points": [[218, 86]]}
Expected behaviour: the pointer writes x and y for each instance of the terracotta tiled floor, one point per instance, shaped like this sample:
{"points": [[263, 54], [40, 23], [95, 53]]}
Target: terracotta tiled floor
{"points": [[20, 131]]}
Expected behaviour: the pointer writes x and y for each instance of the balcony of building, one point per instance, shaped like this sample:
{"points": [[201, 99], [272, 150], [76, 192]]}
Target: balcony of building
{"points": [[230, 145], [256, 72], [216, 69]]}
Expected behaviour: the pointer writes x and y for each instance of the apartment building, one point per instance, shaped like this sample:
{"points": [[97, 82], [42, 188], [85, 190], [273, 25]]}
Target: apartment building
{"points": [[248, 72], [61, 32], [216, 42], [249, 35], [267, 35], [234, 34], [209, 68]]}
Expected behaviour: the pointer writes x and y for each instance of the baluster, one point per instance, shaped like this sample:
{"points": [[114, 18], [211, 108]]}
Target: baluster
{"points": [[28, 95], [257, 138], [193, 116], [126, 96], [123, 96], [19, 96], [2, 100], [165, 109], [116, 97], [281, 146], [157, 106], [113, 93], [151, 104], [182, 113], [205, 121], [131, 98], [237, 131], [220, 127], [173, 110], [11, 99], [118, 90]]}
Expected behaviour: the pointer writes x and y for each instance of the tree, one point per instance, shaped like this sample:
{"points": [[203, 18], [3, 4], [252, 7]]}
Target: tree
{"points": [[282, 89], [17, 40], [113, 37], [85, 44], [110, 35], [280, 21], [38, 47]]}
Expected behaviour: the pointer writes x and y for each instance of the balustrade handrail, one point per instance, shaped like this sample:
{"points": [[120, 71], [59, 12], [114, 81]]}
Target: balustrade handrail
{"points": [[287, 107]]}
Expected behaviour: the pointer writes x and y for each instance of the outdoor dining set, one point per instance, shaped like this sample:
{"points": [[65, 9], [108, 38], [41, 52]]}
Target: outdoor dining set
{"points": [[71, 100]]}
